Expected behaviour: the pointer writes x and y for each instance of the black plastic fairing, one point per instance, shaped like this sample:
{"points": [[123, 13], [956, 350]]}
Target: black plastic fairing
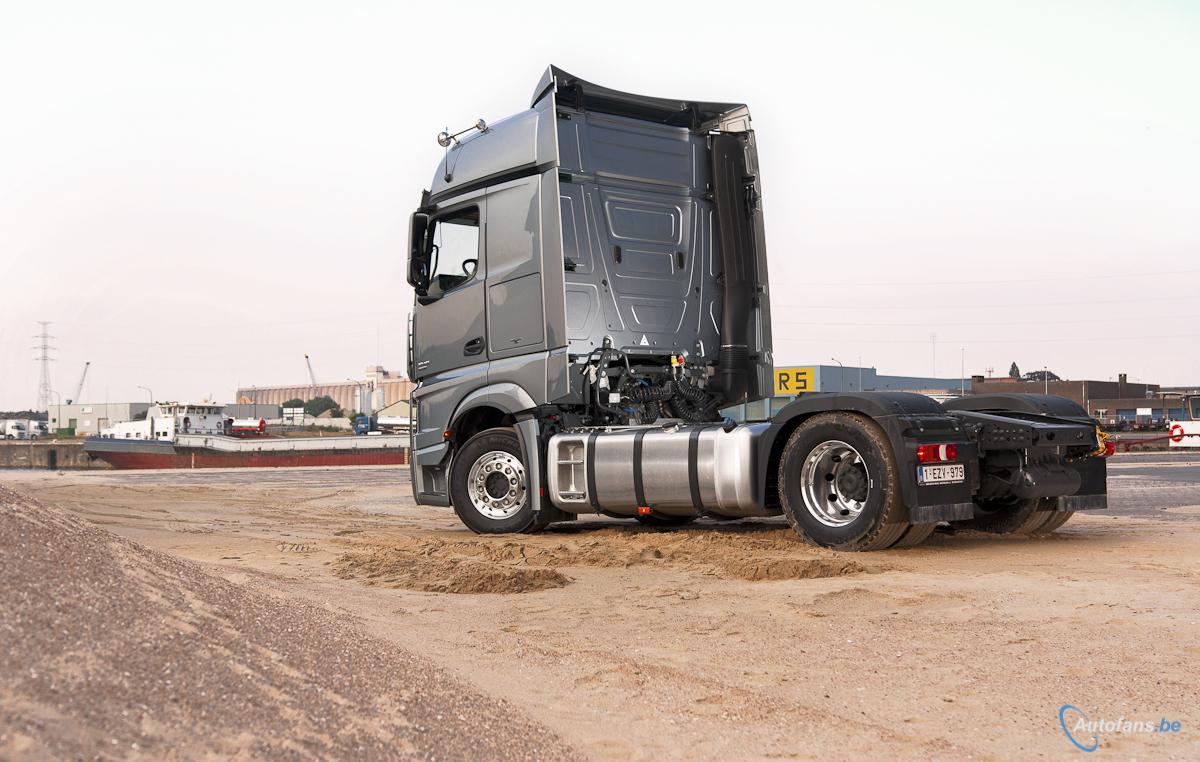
{"points": [[1039, 404], [735, 239], [1013, 431]]}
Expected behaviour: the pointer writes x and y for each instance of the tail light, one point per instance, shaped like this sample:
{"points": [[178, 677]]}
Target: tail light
{"points": [[936, 453]]}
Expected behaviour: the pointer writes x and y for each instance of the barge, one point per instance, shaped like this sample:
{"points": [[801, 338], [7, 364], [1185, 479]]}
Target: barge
{"points": [[176, 435], [220, 451]]}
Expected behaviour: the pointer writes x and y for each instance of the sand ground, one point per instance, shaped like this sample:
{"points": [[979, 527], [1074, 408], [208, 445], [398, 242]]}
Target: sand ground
{"points": [[729, 640]]}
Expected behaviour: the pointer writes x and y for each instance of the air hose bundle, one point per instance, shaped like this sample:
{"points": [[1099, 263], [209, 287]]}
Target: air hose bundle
{"points": [[667, 391]]}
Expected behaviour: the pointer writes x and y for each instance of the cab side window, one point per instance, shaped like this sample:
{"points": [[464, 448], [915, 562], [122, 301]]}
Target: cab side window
{"points": [[455, 254]]}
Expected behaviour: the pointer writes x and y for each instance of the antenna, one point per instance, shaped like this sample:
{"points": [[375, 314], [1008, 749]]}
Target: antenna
{"points": [[44, 349], [445, 138]]}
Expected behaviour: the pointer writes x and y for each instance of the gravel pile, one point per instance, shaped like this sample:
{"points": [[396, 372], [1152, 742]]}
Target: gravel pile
{"points": [[111, 650]]}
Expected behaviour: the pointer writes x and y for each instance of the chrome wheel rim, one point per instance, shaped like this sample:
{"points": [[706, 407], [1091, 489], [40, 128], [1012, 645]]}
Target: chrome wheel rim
{"points": [[835, 483], [496, 484]]}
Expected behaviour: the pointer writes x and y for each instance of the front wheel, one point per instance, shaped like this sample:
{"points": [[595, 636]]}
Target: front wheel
{"points": [[839, 484], [489, 485]]}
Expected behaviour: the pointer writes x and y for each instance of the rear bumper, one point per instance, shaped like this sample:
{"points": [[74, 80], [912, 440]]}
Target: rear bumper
{"points": [[928, 514], [1019, 455]]}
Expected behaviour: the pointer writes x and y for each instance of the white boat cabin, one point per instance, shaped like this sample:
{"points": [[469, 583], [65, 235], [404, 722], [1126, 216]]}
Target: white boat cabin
{"points": [[166, 419]]}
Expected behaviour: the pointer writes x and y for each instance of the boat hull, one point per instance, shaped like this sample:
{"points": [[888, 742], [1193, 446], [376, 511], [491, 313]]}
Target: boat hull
{"points": [[141, 454]]}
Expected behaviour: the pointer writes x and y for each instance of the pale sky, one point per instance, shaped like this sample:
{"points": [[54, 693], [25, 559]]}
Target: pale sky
{"points": [[198, 194]]}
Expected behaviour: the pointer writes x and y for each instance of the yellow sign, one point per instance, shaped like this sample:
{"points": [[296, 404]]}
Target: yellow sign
{"points": [[789, 381]]}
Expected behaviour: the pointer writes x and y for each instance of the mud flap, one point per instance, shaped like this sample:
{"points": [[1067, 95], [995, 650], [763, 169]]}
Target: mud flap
{"points": [[929, 514], [1082, 503], [527, 435]]}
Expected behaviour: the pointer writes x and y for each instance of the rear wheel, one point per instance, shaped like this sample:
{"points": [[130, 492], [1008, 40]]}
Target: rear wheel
{"points": [[839, 485], [915, 535], [489, 485], [1012, 516], [1057, 519]]}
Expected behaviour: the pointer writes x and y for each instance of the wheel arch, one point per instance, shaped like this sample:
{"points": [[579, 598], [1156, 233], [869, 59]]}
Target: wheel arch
{"points": [[486, 408], [478, 418]]}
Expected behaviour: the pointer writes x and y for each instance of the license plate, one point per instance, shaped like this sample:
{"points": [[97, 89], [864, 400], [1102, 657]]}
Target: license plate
{"points": [[951, 473]]}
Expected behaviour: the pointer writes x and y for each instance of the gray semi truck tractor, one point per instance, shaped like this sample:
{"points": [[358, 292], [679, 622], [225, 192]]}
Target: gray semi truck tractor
{"points": [[591, 291]]}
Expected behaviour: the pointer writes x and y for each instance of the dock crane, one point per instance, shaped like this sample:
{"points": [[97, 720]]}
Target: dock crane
{"points": [[312, 379], [79, 386]]}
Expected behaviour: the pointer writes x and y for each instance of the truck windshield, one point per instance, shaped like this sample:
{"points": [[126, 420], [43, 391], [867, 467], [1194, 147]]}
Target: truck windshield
{"points": [[456, 252]]}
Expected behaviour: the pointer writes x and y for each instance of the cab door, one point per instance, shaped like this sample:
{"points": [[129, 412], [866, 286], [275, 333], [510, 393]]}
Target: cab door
{"points": [[516, 320], [448, 322]]}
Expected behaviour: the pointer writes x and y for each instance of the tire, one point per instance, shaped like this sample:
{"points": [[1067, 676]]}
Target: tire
{"points": [[664, 522], [915, 535], [846, 457], [1018, 516], [1057, 519], [489, 487]]}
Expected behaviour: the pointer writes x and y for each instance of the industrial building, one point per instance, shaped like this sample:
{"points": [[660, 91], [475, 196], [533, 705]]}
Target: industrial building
{"points": [[1082, 392], [87, 419], [378, 389], [269, 412], [398, 409], [1153, 410], [853, 378]]}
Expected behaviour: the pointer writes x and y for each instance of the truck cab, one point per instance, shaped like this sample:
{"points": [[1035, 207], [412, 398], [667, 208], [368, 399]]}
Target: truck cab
{"points": [[585, 224], [13, 429], [591, 290]]}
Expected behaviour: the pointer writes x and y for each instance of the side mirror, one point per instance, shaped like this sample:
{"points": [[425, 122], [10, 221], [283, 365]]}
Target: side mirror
{"points": [[418, 253]]}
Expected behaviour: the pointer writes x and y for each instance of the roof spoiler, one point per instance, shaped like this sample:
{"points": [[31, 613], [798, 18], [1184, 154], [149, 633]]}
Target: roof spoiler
{"points": [[695, 115]]}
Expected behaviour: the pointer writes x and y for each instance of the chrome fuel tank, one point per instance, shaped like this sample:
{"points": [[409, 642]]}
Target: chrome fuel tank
{"points": [[682, 470]]}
